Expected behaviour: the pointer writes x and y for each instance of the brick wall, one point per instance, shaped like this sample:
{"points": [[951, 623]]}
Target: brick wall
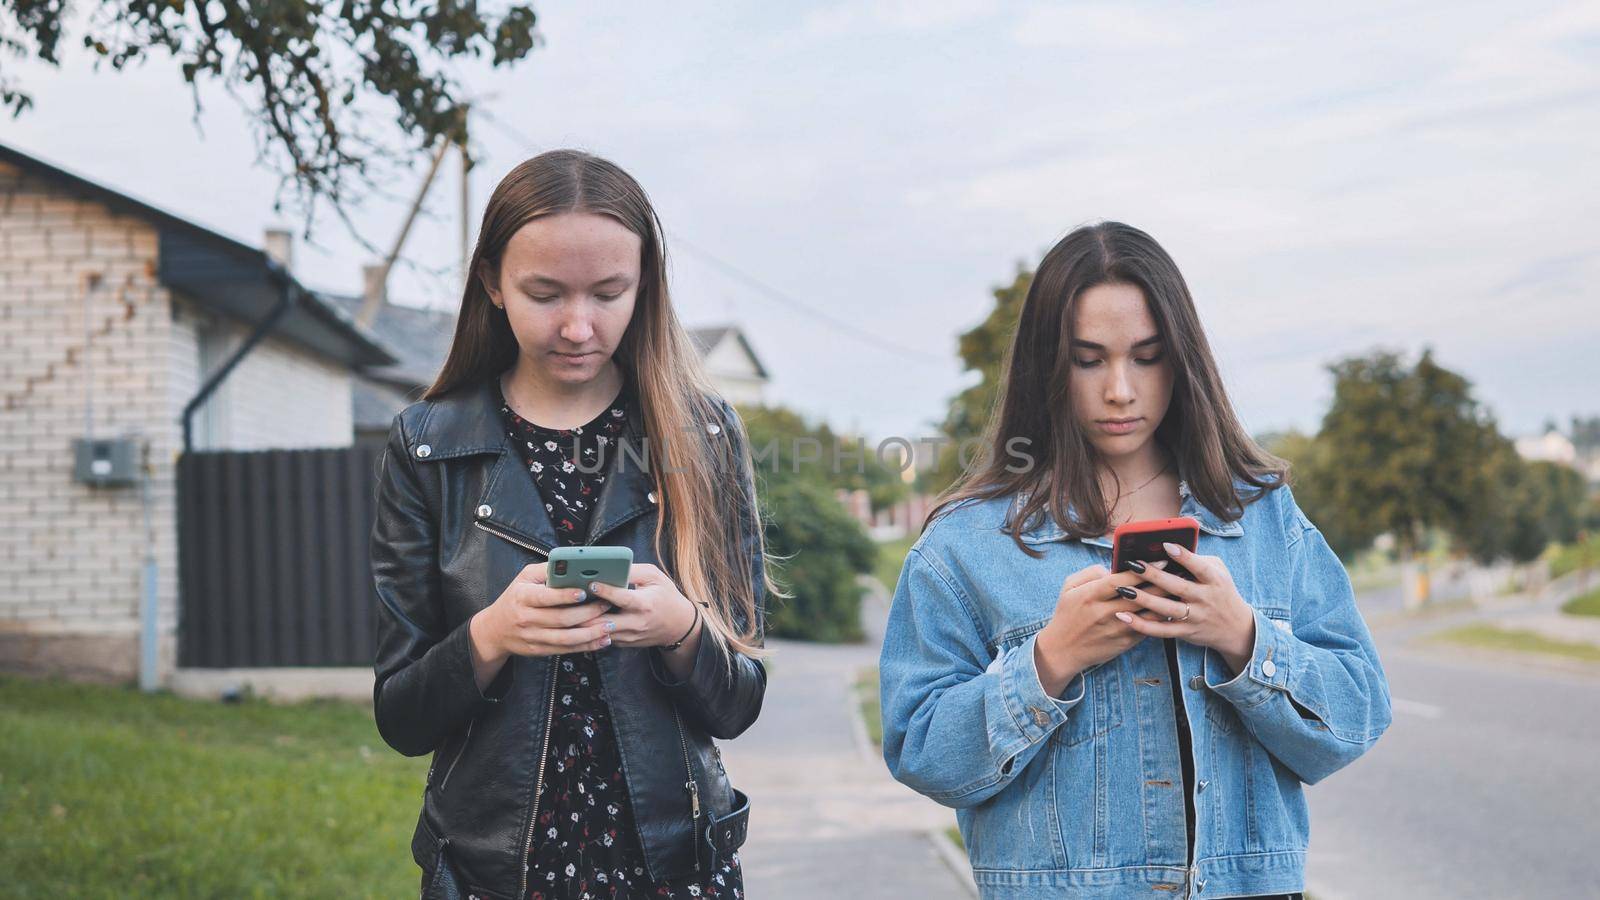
{"points": [[70, 555]]}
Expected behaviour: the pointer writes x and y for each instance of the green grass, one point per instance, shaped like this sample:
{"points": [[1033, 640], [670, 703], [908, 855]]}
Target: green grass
{"points": [[107, 792], [954, 834], [1566, 558], [1587, 604], [867, 703], [1494, 638], [891, 556]]}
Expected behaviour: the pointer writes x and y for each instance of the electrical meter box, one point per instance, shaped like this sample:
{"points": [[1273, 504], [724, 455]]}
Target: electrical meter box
{"points": [[105, 462]]}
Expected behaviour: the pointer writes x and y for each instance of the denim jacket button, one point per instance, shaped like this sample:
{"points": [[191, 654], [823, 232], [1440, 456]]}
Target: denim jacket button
{"points": [[1040, 717], [1197, 682], [1268, 668]]}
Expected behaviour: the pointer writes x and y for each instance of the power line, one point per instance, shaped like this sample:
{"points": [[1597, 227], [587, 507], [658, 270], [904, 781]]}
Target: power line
{"points": [[784, 299], [761, 288]]}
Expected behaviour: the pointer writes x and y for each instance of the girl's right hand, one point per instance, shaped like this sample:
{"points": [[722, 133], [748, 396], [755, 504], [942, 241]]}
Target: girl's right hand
{"points": [[1085, 630], [530, 618]]}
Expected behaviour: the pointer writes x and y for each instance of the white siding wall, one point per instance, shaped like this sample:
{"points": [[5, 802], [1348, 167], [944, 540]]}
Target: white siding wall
{"points": [[280, 396]]}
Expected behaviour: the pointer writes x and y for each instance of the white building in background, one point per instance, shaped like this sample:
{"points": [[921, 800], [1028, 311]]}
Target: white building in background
{"points": [[1552, 446], [735, 370]]}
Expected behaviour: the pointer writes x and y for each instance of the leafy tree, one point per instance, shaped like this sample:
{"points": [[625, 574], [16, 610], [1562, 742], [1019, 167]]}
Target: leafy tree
{"points": [[1408, 448], [1586, 433], [824, 548], [1311, 467], [321, 75], [983, 350], [794, 447]]}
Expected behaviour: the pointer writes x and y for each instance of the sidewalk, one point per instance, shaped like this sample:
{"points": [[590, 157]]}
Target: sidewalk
{"points": [[1538, 612], [826, 819]]}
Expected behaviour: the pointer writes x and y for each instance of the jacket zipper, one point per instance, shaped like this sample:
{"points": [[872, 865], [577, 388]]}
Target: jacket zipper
{"points": [[538, 784], [518, 541], [549, 721], [459, 753], [691, 786]]}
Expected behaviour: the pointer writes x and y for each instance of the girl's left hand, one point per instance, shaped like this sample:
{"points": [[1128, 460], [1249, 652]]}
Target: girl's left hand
{"points": [[1208, 611], [650, 613]]}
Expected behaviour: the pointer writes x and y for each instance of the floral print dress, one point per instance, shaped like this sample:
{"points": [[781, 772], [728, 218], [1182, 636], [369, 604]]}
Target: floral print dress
{"points": [[585, 844]]}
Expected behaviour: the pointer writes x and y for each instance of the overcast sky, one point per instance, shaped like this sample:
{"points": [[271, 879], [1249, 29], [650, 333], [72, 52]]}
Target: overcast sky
{"points": [[1373, 174]]}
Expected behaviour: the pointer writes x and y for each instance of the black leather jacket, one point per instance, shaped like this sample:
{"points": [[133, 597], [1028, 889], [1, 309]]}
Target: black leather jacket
{"points": [[457, 519]]}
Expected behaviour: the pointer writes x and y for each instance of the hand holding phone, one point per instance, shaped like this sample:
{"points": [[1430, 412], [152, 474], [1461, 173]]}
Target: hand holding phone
{"points": [[1142, 541]]}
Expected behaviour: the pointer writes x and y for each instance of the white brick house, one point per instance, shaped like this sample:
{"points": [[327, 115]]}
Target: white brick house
{"points": [[113, 314]]}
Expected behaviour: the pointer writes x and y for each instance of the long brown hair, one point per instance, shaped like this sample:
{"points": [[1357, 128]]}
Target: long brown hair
{"points": [[697, 480], [1034, 402]]}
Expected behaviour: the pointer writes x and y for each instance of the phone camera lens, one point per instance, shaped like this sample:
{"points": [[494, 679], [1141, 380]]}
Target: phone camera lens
{"points": [[561, 567]]}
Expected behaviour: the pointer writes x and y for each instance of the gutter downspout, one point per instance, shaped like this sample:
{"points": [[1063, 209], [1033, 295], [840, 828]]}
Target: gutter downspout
{"points": [[260, 332]]}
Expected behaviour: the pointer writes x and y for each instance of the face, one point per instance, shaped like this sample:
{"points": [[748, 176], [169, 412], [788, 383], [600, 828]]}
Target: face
{"points": [[567, 283], [1121, 381]]}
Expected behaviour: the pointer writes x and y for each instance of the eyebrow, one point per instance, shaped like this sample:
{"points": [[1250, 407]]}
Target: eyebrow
{"points": [[528, 281], [1091, 345]]}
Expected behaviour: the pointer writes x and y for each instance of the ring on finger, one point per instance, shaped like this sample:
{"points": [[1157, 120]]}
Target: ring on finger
{"points": [[1185, 611]]}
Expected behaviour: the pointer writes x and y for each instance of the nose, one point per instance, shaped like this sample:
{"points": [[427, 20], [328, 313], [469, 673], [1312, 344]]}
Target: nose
{"points": [[1119, 387], [576, 327]]}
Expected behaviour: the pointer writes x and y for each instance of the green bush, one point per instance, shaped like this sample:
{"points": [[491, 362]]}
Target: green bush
{"points": [[823, 550]]}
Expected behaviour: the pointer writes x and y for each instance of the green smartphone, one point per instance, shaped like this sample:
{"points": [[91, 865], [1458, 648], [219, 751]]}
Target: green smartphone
{"points": [[576, 567]]}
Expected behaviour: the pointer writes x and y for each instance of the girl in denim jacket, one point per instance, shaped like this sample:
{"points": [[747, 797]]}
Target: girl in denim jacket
{"points": [[1133, 734]]}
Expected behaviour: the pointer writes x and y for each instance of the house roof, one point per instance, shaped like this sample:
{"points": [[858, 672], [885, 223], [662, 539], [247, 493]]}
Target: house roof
{"points": [[223, 274], [706, 339], [420, 338]]}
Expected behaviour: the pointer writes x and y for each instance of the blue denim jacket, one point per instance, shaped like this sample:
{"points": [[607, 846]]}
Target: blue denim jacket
{"points": [[1082, 795]]}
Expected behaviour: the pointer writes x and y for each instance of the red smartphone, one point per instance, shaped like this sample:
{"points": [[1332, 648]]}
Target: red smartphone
{"points": [[1143, 540]]}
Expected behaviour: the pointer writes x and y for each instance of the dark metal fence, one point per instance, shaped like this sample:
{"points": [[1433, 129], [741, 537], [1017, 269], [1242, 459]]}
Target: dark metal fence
{"points": [[272, 557]]}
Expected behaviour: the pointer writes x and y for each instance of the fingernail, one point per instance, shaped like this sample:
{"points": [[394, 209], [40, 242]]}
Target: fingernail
{"points": [[1173, 550], [1161, 563], [1127, 593], [1136, 565], [579, 597], [594, 586], [611, 626], [1124, 617], [605, 641]]}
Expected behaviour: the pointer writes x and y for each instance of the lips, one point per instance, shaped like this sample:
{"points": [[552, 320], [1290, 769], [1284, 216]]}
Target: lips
{"points": [[1118, 426]]}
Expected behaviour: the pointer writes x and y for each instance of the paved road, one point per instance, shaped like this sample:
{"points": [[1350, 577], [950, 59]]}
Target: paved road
{"points": [[826, 819], [1485, 786]]}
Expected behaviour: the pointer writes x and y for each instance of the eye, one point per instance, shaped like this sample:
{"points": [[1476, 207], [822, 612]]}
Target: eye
{"points": [[609, 296], [1086, 363], [543, 298], [1152, 360]]}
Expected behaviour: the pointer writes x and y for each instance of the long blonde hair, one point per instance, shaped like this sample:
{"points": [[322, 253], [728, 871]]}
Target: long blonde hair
{"points": [[698, 481]]}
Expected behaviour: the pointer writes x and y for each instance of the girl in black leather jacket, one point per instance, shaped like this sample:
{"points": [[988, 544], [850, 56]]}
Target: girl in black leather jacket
{"points": [[571, 730]]}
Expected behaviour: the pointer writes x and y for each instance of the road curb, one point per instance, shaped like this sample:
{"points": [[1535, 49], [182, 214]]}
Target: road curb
{"points": [[953, 858]]}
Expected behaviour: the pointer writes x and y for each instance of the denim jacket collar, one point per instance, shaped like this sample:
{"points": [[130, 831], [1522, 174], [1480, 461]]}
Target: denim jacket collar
{"points": [[1049, 530]]}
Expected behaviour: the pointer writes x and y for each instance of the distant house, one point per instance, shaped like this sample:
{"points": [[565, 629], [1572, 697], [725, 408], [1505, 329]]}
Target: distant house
{"points": [[1552, 446], [732, 364], [420, 339], [115, 317]]}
